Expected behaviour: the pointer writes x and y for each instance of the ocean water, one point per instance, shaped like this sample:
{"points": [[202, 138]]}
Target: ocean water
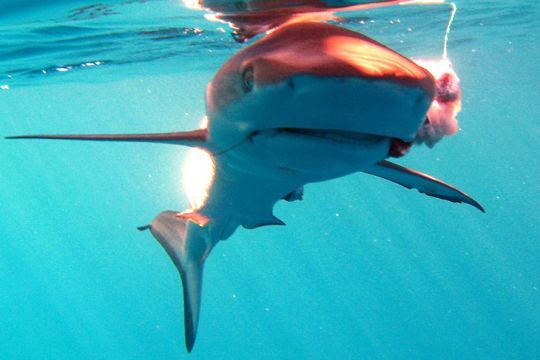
{"points": [[364, 269]]}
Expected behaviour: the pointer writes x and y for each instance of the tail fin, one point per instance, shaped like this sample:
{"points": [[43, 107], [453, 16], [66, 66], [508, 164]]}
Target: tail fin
{"points": [[193, 138], [186, 244]]}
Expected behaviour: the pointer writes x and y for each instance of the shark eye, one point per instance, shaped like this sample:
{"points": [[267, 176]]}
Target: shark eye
{"points": [[248, 79]]}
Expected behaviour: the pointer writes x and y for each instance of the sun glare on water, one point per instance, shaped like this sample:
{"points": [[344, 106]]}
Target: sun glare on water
{"points": [[198, 174]]}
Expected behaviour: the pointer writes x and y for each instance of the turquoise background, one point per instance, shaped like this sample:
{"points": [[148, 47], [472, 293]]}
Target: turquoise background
{"points": [[363, 269]]}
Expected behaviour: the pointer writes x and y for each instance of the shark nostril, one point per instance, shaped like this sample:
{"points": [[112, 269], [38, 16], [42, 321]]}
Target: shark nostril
{"points": [[291, 84]]}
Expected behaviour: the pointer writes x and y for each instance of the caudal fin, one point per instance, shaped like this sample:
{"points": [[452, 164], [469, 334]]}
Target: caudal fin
{"points": [[186, 244], [193, 138]]}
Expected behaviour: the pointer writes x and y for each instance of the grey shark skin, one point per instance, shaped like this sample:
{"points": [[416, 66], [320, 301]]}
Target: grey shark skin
{"points": [[309, 102]]}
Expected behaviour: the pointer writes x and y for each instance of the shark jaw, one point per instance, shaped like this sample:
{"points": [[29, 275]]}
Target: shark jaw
{"points": [[310, 155], [336, 136], [319, 126]]}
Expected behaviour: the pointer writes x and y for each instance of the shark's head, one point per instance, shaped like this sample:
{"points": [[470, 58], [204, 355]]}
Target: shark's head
{"points": [[318, 83]]}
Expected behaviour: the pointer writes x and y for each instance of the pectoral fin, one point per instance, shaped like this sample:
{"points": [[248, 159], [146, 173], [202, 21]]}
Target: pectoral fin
{"points": [[195, 138], [187, 245], [426, 184]]}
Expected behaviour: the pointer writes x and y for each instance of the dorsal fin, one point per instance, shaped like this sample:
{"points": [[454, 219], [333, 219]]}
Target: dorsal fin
{"points": [[195, 138]]}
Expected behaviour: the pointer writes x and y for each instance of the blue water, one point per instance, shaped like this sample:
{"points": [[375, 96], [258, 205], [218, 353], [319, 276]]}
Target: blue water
{"points": [[364, 269]]}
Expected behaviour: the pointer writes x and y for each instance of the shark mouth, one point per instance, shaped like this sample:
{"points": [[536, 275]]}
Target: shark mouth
{"points": [[398, 147], [338, 136]]}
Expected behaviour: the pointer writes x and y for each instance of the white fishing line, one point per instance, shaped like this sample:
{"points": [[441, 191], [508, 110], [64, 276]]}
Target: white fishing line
{"points": [[448, 27]]}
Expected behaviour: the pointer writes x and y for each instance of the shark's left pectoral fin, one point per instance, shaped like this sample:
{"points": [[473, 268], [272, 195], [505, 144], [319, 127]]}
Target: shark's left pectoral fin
{"points": [[426, 184], [188, 246]]}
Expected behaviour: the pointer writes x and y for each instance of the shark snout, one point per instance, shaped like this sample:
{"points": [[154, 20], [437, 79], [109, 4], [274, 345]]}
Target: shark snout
{"points": [[352, 104]]}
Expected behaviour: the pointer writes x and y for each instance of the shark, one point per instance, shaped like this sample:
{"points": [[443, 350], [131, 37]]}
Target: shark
{"points": [[309, 102]]}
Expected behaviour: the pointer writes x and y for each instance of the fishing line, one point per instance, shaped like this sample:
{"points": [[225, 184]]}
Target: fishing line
{"points": [[453, 6], [448, 27]]}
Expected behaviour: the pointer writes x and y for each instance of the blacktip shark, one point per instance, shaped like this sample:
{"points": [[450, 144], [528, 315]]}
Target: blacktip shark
{"points": [[307, 103]]}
